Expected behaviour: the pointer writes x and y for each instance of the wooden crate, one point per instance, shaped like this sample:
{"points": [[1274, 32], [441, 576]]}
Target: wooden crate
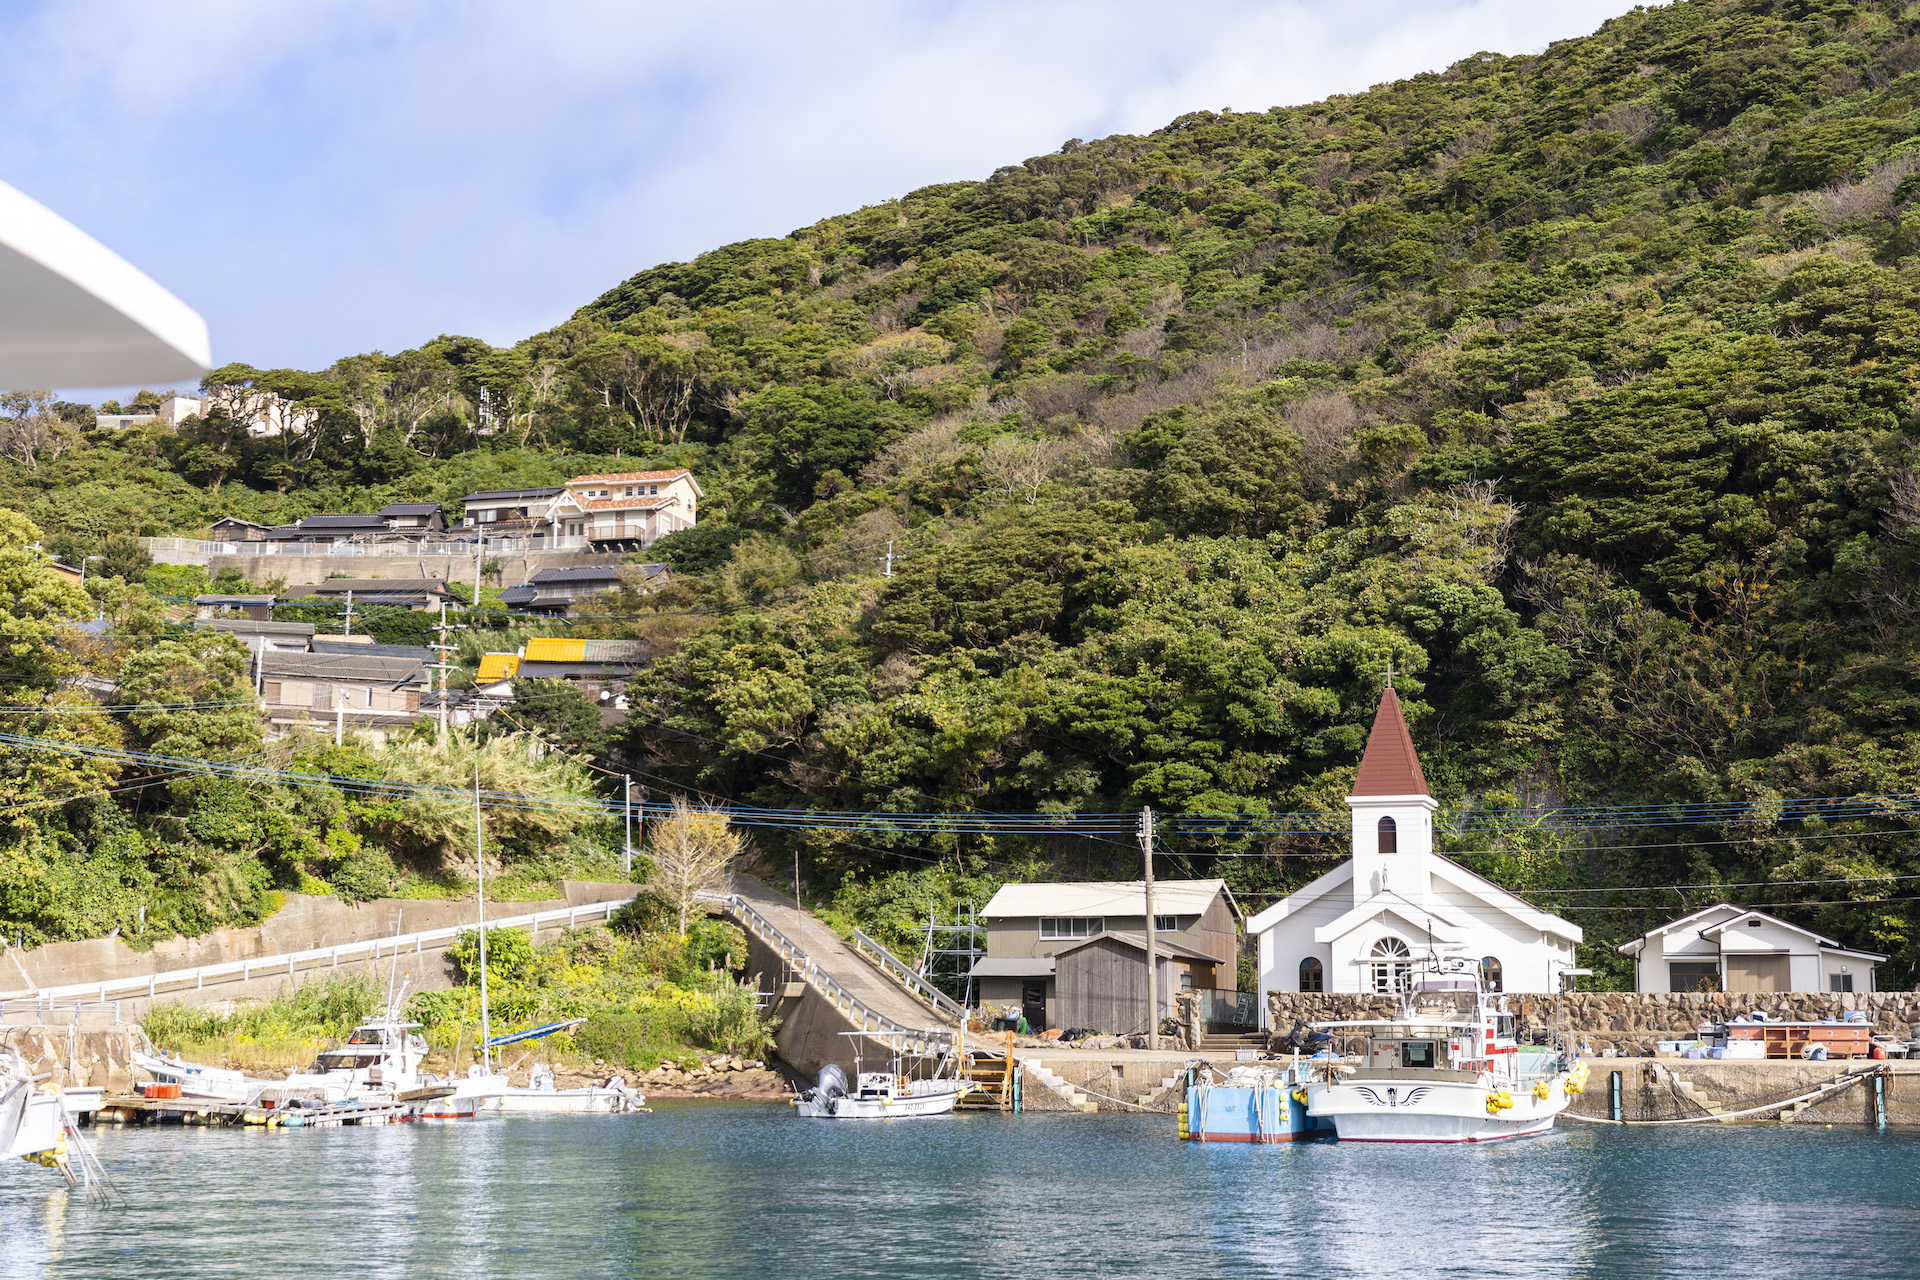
{"points": [[1789, 1039]]}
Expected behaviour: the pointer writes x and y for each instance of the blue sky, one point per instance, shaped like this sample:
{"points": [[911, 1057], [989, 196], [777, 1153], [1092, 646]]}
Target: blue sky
{"points": [[325, 178]]}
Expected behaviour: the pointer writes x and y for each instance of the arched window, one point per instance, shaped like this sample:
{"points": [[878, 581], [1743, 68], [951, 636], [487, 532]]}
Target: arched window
{"points": [[1389, 836], [1392, 962], [1312, 976], [1490, 973]]}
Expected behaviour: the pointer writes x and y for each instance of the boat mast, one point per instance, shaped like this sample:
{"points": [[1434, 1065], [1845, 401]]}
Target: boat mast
{"points": [[480, 870]]}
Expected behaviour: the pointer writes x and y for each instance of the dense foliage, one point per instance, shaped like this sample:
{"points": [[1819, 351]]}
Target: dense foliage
{"points": [[1581, 387]]}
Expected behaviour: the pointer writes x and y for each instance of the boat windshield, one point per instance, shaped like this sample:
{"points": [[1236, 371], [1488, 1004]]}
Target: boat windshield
{"points": [[367, 1035], [344, 1059]]}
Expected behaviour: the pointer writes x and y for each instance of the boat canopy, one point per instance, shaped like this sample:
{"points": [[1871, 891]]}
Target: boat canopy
{"points": [[538, 1033]]}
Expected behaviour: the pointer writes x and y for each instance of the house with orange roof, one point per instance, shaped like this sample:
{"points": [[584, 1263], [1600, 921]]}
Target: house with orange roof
{"points": [[1360, 927], [613, 511], [628, 510]]}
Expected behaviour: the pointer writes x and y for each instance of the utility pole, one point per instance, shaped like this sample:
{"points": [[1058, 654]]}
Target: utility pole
{"points": [[479, 554], [349, 630], [260, 669], [339, 716], [889, 562], [1153, 957], [442, 666], [626, 839]]}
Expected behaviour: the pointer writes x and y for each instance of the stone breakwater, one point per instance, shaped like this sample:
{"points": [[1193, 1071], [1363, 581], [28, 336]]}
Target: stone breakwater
{"points": [[1627, 1022]]}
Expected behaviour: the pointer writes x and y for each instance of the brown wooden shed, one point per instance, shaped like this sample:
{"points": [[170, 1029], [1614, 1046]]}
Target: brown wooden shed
{"points": [[1101, 984]]}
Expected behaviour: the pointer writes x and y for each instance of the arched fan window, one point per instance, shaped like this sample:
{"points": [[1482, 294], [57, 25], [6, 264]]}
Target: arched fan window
{"points": [[1312, 976], [1490, 973], [1389, 836], [1392, 962]]}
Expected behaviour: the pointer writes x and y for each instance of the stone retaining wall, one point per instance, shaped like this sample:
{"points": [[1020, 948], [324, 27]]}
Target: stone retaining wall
{"points": [[1627, 1023]]}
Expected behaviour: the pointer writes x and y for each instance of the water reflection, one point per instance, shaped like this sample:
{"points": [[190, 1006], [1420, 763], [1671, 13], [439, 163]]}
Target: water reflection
{"points": [[752, 1192]]}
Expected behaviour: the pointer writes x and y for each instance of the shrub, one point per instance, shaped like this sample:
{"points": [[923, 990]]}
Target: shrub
{"points": [[509, 953]]}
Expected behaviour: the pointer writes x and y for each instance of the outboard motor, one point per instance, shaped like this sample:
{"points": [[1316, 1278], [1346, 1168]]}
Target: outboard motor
{"points": [[831, 1083], [1303, 1039]]}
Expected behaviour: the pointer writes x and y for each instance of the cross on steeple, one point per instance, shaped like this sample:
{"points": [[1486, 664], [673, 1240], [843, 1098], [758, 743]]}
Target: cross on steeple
{"points": [[1389, 673]]}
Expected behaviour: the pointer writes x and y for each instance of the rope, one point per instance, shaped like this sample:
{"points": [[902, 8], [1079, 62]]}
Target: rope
{"points": [[1827, 1089]]}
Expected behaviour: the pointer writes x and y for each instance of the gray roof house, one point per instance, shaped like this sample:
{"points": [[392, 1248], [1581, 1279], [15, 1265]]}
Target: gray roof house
{"points": [[372, 695], [562, 592]]}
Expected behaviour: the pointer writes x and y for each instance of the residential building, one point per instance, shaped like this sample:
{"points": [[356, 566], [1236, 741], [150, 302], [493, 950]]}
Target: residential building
{"points": [[402, 521], [523, 513], [218, 604], [414, 593], [173, 411], [567, 592], [554, 658], [1033, 928], [615, 511], [1359, 926], [234, 529], [627, 510], [346, 692], [258, 634], [1729, 948]]}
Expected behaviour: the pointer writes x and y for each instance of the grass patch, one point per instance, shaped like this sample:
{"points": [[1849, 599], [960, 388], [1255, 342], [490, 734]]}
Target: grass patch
{"points": [[283, 1031]]}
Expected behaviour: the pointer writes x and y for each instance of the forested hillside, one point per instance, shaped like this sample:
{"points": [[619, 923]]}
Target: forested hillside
{"points": [[1580, 387]]}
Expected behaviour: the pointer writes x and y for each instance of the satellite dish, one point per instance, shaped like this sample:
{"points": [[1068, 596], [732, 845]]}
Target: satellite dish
{"points": [[73, 313]]}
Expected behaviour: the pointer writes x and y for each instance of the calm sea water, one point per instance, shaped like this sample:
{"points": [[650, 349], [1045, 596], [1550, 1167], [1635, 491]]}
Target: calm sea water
{"points": [[751, 1191]]}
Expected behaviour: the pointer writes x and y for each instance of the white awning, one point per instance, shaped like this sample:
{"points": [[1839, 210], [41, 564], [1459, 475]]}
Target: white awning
{"points": [[77, 314]]}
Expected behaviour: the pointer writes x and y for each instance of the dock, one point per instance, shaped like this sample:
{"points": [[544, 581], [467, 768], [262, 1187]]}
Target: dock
{"points": [[202, 1111]]}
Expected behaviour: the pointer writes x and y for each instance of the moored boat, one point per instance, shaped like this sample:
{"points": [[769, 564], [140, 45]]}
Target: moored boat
{"points": [[892, 1094], [1255, 1102], [1448, 1069]]}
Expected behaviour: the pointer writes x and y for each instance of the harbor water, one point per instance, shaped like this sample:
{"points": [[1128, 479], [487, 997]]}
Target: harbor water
{"points": [[752, 1191]]}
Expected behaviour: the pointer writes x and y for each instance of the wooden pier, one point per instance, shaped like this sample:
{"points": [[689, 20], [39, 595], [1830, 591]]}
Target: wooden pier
{"points": [[202, 1111]]}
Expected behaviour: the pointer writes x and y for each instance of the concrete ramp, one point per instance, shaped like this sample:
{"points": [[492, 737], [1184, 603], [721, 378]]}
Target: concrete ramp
{"points": [[819, 987]]}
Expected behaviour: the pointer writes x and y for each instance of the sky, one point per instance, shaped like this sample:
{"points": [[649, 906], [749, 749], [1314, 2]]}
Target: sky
{"points": [[327, 177]]}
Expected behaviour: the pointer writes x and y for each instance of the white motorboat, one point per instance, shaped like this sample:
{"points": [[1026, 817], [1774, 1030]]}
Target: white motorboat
{"points": [[197, 1080], [1448, 1069], [879, 1095], [380, 1062], [540, 1096]]}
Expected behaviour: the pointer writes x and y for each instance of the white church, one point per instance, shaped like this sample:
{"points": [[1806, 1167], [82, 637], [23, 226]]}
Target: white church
{"points": [[1359, 927]]}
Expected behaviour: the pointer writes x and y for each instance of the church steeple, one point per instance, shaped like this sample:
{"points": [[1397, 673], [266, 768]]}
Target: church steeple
{"points": [[1390, 767]]}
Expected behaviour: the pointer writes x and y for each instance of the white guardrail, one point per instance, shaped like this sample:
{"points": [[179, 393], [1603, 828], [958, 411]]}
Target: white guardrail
{"points": [[151, 985], [463, 547], [921, 1039]]}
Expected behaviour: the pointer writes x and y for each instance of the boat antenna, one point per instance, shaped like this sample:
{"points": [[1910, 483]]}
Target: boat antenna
{"points": [[480, 873]]}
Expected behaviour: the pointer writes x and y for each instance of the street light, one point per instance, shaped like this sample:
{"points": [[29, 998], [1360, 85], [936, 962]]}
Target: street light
{"points": [[83, 567]]}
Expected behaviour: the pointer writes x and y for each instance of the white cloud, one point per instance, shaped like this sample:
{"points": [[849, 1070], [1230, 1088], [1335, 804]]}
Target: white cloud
{"points": [[325, 178]]}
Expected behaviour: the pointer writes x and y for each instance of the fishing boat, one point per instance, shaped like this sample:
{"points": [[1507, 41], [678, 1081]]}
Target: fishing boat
{"points": [[1254, 1102], [197, 1080], [380, 1062], [1447, 1069], [36, 1125], [892, 1094]]}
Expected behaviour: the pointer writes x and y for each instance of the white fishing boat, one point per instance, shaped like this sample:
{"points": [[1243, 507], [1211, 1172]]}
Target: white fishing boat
{"points": [[892, 1094], [380, 1062], [1448, 1069], [197, 1080]]}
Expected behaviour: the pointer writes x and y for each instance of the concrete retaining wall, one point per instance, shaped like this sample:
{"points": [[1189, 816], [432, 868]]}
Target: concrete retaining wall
{"points": [[78, 1056], [304, 923], [515, 567], [1626, 1022]]}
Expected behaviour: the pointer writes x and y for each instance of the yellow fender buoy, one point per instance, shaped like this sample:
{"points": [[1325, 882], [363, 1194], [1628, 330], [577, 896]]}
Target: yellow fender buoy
{"points": [[1542, 1090], [1300, 1096]]}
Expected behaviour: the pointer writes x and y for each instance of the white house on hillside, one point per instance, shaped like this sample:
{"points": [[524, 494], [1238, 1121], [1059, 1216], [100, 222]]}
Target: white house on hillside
{"points": [[1358, 927], [1729, 948]]}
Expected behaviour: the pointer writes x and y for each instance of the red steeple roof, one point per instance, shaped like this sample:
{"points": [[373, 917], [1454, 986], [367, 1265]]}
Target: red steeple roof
{"points": [[1390, 767]]}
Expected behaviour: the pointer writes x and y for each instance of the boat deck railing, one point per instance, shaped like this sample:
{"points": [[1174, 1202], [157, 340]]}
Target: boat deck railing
{"points": [[149, 985]]}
